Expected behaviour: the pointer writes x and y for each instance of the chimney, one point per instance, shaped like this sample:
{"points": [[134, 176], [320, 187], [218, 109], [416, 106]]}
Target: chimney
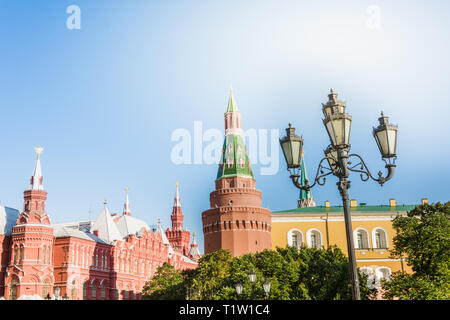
{"points": [[96, 233], [353, 203], [424, 201], [327, 204], [392, 203]]}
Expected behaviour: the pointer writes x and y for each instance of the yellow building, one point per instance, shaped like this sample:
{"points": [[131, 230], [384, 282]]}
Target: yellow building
{"points": [[323, 226]]}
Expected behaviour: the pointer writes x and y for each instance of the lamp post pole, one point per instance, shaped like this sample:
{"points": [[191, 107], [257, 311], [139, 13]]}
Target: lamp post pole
{"points": [[343, 186], [338, 124]]}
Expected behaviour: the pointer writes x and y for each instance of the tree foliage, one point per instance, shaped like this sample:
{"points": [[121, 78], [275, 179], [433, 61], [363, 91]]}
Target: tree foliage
{"points": [[294, 274], [166, 284], [423, 237]]}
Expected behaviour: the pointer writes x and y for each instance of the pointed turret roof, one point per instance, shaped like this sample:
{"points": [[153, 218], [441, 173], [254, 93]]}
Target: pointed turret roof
{"points": [[234, 160], [305, 197], [107, 230], [164, 237], [194, 252], [36, 179], [126, 206], [232, 107], [177, 202]]}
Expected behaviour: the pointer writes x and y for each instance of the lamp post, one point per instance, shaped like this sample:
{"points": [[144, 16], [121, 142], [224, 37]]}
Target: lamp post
{"points": [[238, 289], [266, 286], [338, 126], [252, 277]]}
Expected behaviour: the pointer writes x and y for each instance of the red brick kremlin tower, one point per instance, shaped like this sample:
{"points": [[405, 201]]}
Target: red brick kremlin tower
{"points": [[178, 238], [30, 269], [236, 221]]}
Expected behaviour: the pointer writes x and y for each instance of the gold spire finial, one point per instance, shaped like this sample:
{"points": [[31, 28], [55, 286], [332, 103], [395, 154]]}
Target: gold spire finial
{"points": [[159, 221], [177, 183], [38, 150], [127, 190]]}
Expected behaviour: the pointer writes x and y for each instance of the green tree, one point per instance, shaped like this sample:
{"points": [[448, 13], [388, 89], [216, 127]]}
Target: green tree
{"points": [[166, 284], [423, 237], [294, 274], [326, 275], [208, 278]]}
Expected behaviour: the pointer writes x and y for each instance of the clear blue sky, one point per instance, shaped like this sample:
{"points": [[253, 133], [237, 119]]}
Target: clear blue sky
{"points": [[104, 100]]}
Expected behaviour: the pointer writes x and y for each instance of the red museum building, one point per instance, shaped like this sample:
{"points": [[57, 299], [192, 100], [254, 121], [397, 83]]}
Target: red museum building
{"points": [[109, 258]]}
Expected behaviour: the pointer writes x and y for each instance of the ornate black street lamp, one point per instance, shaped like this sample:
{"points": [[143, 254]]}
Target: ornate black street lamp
{"points": [[238, 287], [266, 287], [252, 278], [338, 125]]}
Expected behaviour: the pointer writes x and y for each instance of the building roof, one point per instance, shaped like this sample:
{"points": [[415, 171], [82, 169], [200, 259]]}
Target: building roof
{"points": [[61, 231], [130, 225], [231, 107], [303, 177], [107, 230], [234, 160], [36, 181], [164, 238], [360, 208], [8, 219]]}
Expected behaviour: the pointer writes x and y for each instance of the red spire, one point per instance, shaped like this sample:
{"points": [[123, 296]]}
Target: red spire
{"points": [[34, 198], [126, 206], [177, 214]]}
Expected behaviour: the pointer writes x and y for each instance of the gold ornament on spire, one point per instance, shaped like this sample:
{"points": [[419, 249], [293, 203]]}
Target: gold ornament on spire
{"points": [[127, 190], [38, 150], [177, 183]]}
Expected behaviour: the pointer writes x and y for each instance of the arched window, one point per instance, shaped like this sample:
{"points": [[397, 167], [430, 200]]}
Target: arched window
{"points": [[371, 281], [44, 249], [13, 289], [21, 254], [15, 254], [295, 238], [143, 268], [85, 290], [379, 237], [383, 273], [94, 291], [83, 262], [361, 238], [45, 288], [127, 293], [102, 291], [73, 293], [135, 267], [48, 254], [96, 261], [314, 238]]}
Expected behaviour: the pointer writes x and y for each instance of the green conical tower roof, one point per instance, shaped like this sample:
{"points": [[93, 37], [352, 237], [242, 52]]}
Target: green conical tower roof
{"points": [[303, 177], [234, 161], [232, 107]]}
